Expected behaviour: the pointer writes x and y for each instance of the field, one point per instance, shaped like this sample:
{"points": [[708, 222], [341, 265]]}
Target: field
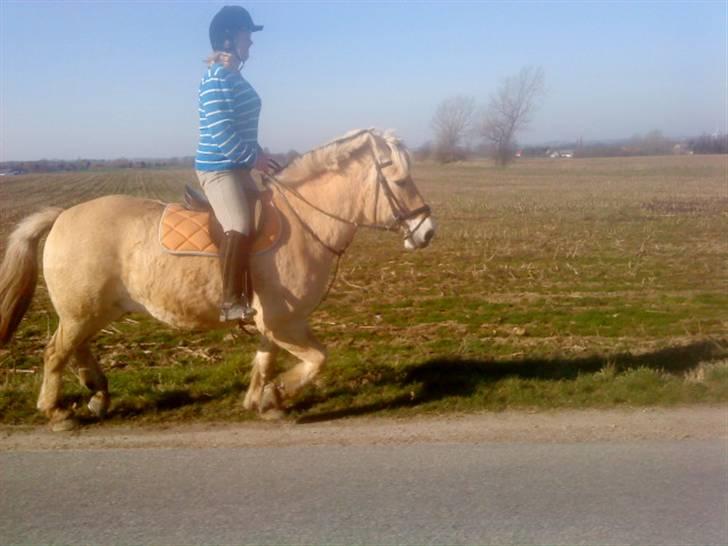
{"points": [[550, 284]]}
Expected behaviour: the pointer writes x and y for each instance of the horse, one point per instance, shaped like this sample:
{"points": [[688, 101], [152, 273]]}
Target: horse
{"points": [[102, 260]]}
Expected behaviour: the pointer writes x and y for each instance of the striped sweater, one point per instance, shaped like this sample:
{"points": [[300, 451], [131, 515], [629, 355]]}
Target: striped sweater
{"points": [[229, 110]]}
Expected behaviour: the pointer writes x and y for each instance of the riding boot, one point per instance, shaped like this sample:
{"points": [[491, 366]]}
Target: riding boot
{"points": [[234, 256]]}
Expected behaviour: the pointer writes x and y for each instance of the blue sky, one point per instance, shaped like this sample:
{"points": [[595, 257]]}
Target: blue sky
{"points": [[107, 79]]}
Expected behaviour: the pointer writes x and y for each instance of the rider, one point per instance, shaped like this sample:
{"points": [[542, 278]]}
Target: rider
{"points": [[228, 149]]}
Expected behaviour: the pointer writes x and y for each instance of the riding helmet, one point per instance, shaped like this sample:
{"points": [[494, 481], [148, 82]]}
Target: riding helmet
{"points": [[227, 23]]}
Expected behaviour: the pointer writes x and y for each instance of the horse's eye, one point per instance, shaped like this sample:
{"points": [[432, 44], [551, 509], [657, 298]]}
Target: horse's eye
{"points": [[402, 181]]}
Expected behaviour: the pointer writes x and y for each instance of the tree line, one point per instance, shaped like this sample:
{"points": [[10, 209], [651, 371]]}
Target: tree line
{"points": [[652, 143], [60, 165]]}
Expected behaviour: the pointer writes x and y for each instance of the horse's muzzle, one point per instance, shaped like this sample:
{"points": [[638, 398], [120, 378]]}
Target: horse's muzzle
{"points": [[424, 231]]}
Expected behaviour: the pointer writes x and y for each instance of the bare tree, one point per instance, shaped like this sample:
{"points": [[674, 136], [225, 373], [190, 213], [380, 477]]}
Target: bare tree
{"points": [[452, 122], [510, 111]]}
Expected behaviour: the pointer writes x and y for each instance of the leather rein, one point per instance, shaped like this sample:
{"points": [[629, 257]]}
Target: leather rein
{"points": [[400, 214]]}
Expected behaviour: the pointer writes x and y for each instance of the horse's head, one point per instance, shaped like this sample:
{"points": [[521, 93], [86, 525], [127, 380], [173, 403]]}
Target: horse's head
{"points": [[374, 186], [398, 201]]}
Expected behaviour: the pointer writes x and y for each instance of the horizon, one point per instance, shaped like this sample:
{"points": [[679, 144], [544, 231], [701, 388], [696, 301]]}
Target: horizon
{"points": [[126, 87], [546, 144]]}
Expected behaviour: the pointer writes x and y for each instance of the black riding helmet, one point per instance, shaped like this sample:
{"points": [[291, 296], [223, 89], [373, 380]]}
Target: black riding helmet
{"points": [[227, 23]]}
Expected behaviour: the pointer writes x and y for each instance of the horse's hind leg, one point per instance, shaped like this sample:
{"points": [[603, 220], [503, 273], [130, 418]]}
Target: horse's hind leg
{"points": [[261, 373], [67, 338], [93, 378], [312, 355]]}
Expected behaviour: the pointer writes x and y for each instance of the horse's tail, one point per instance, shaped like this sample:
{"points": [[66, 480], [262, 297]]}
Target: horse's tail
{"points": [[19, 269]]}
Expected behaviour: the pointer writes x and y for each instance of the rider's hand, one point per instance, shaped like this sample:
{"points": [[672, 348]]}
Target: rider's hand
{"points": [[266, 163], [261, 162]]}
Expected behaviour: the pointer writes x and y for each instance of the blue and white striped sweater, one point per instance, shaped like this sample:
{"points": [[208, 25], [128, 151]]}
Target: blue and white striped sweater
{"points": [[229, 111]]}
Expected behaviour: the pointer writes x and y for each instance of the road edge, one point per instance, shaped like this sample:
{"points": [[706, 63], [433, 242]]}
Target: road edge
{"points": [[694, 422]]}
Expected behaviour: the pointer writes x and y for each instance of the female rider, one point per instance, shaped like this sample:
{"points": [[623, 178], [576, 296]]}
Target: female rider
{"points": [[228, 149]]}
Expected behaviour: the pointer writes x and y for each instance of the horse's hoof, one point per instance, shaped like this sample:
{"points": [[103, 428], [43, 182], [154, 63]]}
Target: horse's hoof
{"points": [[273, 415], [66, 425], [99, 404], [249, 402], [270, 400], [63, 421]]}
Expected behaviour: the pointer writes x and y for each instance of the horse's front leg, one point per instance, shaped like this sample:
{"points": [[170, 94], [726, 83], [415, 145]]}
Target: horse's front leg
{"points": [[301, 343], [262, 372]]}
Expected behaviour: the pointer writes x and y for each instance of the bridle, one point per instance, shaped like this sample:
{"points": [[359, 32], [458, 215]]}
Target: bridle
{"points": [[400, 213]]}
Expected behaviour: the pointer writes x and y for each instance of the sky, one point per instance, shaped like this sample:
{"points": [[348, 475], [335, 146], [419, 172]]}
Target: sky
{"points": [[110, 79]]}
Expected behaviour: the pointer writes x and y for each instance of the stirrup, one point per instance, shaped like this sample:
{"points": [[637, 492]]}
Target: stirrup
{"points": [[237, 311], [248, 313]]}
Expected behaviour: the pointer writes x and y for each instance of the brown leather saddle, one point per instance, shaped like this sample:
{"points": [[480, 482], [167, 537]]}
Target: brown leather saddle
{"points": [[191, 229]]}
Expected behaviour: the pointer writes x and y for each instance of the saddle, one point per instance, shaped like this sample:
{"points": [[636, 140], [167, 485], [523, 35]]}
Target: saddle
{"points": [[191, 229]]}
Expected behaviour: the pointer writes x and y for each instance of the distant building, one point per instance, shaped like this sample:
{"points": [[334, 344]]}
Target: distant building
{"points": [[682, 149], [556, 154]]}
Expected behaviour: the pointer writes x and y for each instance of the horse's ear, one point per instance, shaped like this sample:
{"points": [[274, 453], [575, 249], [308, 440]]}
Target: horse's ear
{"points": [[397, 152]]}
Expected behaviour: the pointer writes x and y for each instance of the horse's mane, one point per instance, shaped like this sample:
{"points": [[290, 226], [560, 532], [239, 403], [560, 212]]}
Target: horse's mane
{"points": [[334, 154]]}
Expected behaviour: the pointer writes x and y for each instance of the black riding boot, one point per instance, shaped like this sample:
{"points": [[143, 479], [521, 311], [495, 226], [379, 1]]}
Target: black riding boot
{"points": [[236, 286]]}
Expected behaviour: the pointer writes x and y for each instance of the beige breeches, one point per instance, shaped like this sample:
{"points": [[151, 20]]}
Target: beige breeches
{"points": [[226, 193]]}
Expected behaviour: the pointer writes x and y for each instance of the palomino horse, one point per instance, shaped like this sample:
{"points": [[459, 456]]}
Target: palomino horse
{"points": [[102, 259]]}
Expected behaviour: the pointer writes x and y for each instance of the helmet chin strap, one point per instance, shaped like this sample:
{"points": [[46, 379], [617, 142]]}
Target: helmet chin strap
{"points": [[241, 62], [233, 50]]}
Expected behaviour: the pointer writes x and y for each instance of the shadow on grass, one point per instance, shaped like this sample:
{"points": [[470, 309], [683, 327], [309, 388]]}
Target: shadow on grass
{"points": [[169, 400], [443, 377]]}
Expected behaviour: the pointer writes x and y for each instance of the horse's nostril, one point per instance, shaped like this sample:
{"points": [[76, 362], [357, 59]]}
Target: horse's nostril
{"points": [[428, 236]]}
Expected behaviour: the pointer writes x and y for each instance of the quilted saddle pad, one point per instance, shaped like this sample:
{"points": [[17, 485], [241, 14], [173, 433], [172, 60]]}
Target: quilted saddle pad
{"points": [[189, 232]]}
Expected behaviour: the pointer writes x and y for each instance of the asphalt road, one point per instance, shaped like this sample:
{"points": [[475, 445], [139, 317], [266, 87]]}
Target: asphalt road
{"points": [[630, 492]]}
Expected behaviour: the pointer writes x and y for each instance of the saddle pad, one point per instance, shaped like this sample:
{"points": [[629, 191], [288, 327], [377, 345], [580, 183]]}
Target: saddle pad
{"points": [[187, 232]]}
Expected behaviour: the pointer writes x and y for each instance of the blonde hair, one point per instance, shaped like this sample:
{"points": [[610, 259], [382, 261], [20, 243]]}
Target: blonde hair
{"points": [[228, 60]]}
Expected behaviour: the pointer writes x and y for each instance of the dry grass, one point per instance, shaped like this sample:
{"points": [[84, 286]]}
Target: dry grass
{"points": [[552, 283]]}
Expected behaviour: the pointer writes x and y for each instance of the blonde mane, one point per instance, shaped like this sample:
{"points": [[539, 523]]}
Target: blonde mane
{"points": [[333, 155]]}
